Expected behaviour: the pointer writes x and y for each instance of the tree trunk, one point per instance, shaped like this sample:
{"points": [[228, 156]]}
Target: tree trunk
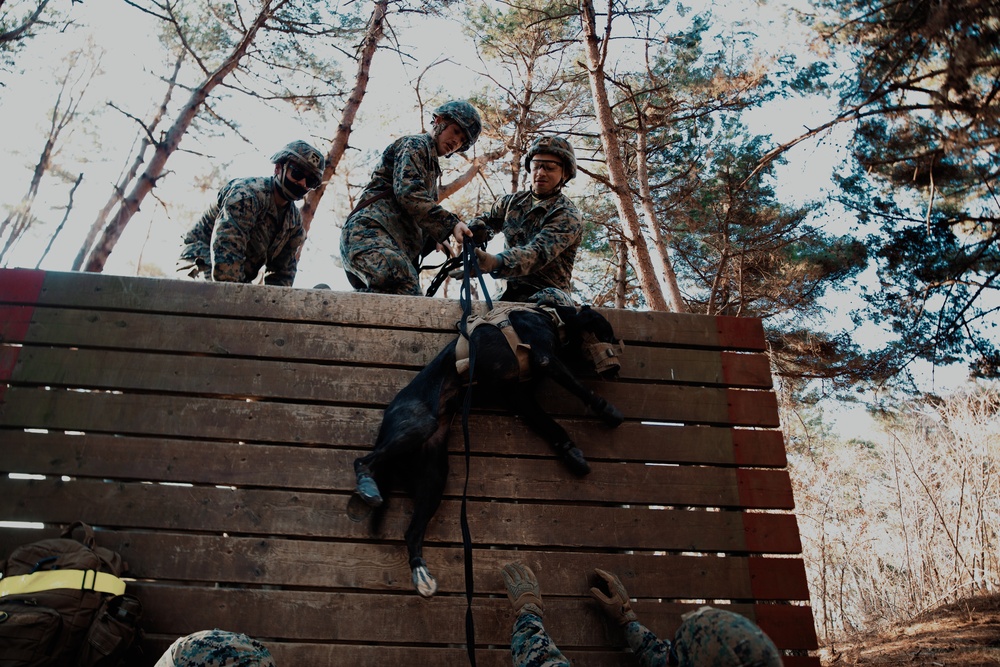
{"points": [[621, 272], [118, 194], [165, 148], [631, 226], [645, 196], [475, 167], [373, 35], [62, 223]]}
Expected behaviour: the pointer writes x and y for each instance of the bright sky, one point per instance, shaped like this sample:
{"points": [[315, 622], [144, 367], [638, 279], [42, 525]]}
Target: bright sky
{"points": [[99, 145]]}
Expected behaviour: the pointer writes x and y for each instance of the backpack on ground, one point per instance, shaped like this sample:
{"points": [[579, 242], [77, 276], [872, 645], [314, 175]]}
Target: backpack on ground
{"points": [[62, 604]]}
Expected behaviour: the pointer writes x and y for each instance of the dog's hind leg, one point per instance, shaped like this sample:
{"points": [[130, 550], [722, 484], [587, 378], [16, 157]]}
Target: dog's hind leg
{"points": [[406, 425], [428, 489]]}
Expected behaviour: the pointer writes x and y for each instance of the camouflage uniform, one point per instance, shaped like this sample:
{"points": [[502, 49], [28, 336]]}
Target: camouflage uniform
{"points": [[242, 232], [530, 644], [398, 219], [651, 651], [542, 237], [216, 648], [382, 242], [707, 637]]}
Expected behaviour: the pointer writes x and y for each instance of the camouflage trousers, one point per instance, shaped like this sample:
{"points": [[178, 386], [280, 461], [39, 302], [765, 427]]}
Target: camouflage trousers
{"points": [[531, 646], [374, 261]]}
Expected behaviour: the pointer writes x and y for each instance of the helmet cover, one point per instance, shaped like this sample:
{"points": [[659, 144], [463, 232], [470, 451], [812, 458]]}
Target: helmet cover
{"points": [[467, 118], [555, 146], [306, 158], [708, 637]]}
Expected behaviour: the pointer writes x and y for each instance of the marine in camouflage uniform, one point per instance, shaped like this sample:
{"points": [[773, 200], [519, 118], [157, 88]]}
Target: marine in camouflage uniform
{"points": [[398, 219], [254, 223], [541, 226], [216, 648], [707, 637]]}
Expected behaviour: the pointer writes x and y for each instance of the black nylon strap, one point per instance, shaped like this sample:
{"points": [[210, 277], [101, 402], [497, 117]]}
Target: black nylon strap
{"points": [[449, 265], [465, 300]]}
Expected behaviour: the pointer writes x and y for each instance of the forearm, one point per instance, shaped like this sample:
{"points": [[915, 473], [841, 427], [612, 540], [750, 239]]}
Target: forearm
{"points": [[650, 651], [537, 252], [282, 269], [530, 644]]}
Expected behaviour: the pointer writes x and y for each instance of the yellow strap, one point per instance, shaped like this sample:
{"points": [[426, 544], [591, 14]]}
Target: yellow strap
{"points": [[50, 579]]}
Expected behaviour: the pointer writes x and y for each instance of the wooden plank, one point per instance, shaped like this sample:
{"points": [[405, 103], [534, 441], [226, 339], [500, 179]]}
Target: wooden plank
{"points": [[314, 514], [301, 422], [574, 623], [257, 561], [219, 376], [331, 343], [223, 337], [207, 376], [541, 478], [72, 454], [81, 290], [338, 655]]}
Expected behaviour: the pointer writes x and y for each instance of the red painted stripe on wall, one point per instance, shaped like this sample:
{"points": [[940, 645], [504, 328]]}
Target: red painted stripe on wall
{"points": [[21, 285], [741, 333], [17, 286]]}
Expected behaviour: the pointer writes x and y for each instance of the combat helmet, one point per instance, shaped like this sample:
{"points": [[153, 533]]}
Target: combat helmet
{"points": [[306, 158], [708, 637], [467, 118], [556, 146]]}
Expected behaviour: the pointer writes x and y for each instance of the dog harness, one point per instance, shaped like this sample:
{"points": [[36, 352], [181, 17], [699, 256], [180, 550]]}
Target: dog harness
{"points": [[604, 356], [500, 318]]}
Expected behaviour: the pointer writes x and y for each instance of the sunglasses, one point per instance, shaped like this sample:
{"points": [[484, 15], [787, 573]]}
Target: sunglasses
{"points": [[298, 174]]}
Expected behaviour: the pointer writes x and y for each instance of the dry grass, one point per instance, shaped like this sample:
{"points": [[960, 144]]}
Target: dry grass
{"points": [[963, 634]]}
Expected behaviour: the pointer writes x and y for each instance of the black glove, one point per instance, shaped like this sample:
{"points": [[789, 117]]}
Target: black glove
{"points": [[480, 235]]}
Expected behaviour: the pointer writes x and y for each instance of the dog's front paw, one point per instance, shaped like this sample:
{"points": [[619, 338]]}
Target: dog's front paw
{"points": [[424, 581], [610, 414], [573, 458]]}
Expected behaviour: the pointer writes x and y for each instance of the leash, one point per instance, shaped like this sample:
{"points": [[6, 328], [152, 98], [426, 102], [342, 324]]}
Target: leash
{"points": [[445, 268], [468, 258], [452, 263]]}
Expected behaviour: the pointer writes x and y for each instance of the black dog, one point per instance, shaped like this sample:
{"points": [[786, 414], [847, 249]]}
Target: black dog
{"points": [[415, 425]]}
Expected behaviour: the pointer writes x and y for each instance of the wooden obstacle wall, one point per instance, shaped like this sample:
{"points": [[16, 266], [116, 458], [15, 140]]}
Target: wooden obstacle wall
{"points": [[207, 431]]}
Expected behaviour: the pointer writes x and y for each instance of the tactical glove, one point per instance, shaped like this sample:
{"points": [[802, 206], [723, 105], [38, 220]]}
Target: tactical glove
{"points": [[522, 587], [487, 263], [615, 605]]}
